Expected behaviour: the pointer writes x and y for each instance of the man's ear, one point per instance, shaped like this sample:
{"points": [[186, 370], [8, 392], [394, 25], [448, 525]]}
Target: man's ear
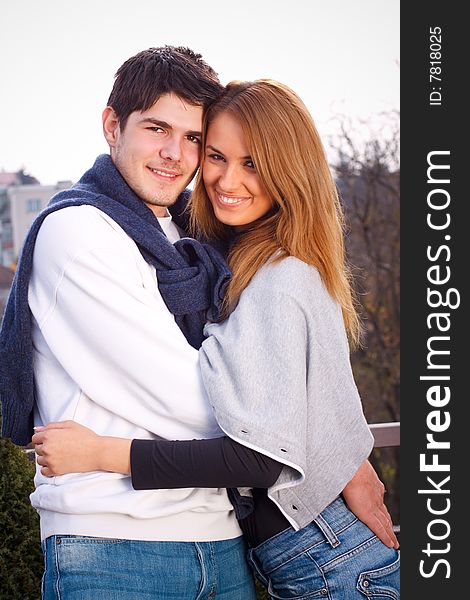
{"points": [[110, 126]]}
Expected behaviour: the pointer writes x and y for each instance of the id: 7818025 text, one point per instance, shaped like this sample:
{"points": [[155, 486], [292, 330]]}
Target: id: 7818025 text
{"points": [[435, 66]]}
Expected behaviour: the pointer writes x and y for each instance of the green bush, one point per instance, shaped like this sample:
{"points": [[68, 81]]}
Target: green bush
{"points": [[21, 561], [261, 593]]}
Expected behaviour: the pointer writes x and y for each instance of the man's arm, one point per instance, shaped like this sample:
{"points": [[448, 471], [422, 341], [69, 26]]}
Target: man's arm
{"points": [[364, 495], [98, 307]]}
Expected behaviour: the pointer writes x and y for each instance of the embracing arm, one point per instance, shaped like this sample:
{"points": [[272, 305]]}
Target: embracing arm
{"points": [[154, 464]]}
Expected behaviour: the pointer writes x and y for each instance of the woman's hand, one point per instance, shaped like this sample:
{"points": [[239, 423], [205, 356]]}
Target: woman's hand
{"points": [[66, 447]]}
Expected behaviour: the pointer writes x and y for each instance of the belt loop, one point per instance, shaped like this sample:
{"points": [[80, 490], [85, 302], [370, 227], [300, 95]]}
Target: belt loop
{"points": [[327, 531]]}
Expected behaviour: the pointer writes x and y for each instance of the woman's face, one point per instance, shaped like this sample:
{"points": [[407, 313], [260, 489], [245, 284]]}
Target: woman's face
{"points": [[233, 185]]}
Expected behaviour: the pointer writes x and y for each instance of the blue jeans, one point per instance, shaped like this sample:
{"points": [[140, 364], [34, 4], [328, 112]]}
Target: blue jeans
{"points": [[336, 557], [85, 568]]}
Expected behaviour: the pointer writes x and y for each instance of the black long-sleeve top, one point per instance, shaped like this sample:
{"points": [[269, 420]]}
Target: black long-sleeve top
{"points": [[219, 462]]}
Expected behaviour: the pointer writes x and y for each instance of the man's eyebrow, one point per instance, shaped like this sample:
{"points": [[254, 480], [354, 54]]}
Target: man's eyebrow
{"points": [[163, 124], [166, 125], [194, 133]]}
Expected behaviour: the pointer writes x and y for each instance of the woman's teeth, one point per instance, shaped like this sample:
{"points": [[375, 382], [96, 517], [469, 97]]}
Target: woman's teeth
{"points": [[229, 200]]}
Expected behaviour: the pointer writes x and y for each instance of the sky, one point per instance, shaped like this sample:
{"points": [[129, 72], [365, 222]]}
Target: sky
{"points": [[58, 59]]}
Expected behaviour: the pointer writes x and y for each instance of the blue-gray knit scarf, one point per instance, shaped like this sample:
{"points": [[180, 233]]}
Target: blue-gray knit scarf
{"points": [[191, 278]]}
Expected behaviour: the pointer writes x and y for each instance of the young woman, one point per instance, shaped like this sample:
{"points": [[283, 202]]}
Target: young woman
{"points": [[276, 368]]}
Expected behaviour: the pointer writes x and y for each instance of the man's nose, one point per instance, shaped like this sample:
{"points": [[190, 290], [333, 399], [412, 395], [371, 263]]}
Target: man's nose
{"points": [[171, 149]]}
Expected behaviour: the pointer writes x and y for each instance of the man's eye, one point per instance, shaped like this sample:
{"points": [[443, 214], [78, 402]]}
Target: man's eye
{"points": [[156, 129], [194, 139]]}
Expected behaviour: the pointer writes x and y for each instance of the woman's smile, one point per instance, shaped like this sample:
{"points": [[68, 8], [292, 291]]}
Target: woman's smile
{"points": [[228, 201]]}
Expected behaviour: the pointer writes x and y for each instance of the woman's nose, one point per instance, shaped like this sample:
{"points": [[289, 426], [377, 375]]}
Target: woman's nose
{"points": [[229, 179]]}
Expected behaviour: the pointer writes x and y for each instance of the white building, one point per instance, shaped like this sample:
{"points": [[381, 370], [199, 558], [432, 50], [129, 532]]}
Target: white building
{"points": [[19, 205]]}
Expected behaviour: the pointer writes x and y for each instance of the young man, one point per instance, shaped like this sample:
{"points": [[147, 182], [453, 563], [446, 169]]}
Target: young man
{"points": [[116, 314]]}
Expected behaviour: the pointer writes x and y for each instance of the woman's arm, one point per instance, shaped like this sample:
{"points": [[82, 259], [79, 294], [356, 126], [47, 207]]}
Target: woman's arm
{"points": [[68, 447], [218, 462]]}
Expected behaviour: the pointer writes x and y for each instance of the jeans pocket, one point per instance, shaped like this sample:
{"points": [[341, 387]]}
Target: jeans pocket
{"points": [[381, 583], [297, 579]]}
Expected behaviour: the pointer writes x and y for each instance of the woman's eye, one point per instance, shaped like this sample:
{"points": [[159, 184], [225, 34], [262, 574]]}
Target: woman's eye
{"points": [[216, 157], [250, 164]]}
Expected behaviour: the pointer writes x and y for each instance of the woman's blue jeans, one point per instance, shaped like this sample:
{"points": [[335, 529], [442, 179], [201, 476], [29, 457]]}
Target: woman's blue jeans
{"points": [[84, 568], [336, 557]]}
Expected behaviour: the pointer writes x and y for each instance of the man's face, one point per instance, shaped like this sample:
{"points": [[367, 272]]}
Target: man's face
{"points": [[158, 151]]}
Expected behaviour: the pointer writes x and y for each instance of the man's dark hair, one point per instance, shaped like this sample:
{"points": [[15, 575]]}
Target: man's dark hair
{"points": [[143, 78]]}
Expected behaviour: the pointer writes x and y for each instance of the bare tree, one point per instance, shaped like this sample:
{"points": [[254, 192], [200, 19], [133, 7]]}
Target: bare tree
{"points": [[368, 178]]}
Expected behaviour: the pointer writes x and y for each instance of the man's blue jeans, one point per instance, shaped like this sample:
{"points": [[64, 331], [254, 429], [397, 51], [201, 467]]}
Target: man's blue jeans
{"points": [[84, 568], [336, 557]]}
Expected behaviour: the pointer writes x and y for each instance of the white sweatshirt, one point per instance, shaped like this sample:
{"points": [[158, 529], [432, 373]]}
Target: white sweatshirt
{"points": [[109, 355]]}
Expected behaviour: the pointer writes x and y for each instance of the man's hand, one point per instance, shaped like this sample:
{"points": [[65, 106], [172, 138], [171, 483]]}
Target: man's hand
{"points": [[364, 496], [66, 447]]}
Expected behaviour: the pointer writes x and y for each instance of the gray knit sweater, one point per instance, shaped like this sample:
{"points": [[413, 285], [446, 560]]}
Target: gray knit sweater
{"points": [[279, 378]]}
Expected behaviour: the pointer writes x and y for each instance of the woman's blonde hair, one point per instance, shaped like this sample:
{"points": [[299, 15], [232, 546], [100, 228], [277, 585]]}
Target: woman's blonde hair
{"points": [[306, 220]]}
